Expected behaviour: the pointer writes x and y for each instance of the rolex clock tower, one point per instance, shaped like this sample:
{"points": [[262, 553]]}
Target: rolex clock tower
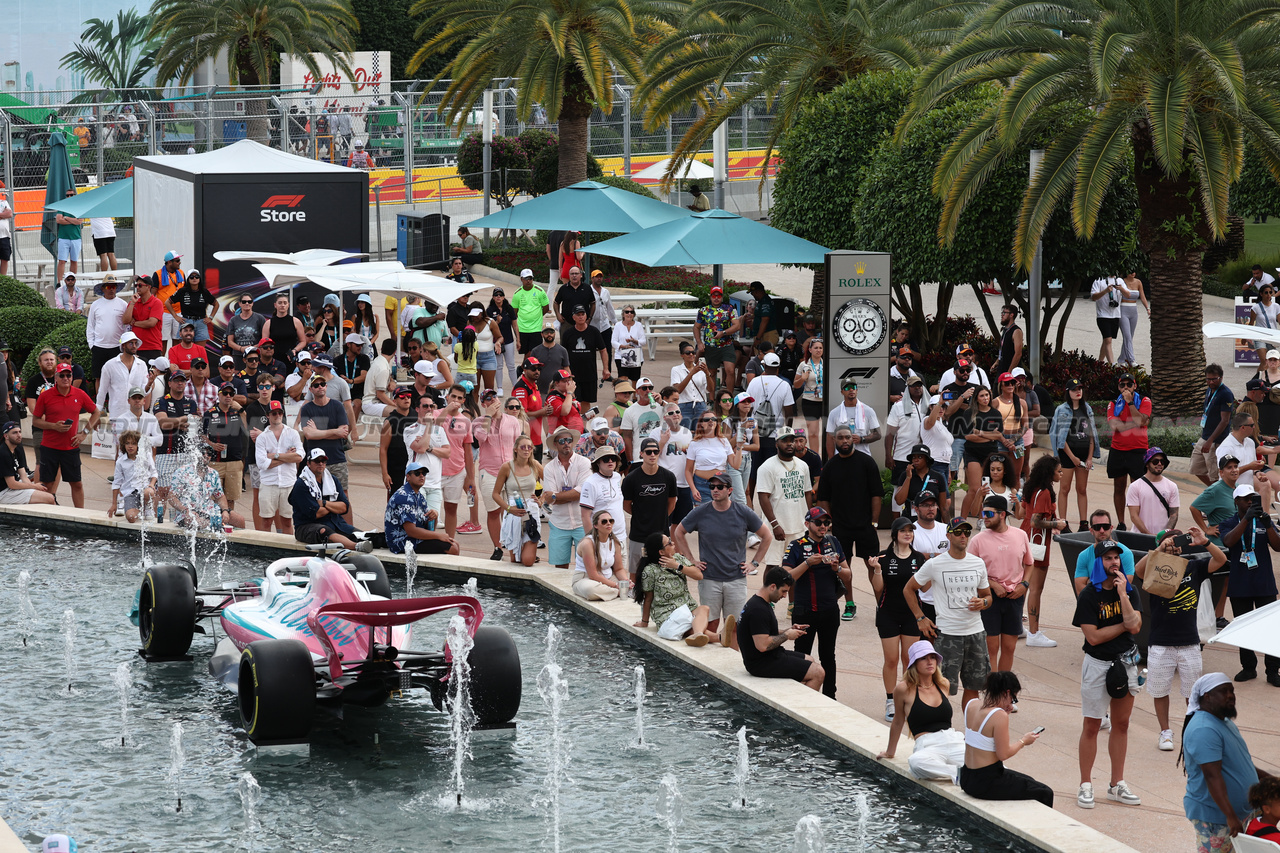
{"points": [[857, 321]]}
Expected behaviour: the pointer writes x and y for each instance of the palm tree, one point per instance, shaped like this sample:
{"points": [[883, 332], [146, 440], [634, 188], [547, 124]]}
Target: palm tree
{"points": [[1179, 86], [253, 33], [787, 50], [564, 52], [117, 55]]}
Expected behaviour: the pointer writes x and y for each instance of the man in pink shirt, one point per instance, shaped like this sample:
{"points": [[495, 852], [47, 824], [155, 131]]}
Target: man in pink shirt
{"points": [[456, 469], [496, 432], [1007, 552]]}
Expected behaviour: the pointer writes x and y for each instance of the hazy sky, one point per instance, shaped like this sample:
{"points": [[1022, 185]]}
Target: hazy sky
{"points": [[37, 33]]}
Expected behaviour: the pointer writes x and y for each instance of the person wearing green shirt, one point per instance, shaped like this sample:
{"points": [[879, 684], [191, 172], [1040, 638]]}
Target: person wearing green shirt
{"points": [[531, 304], [1214, 505], [69, 229]]}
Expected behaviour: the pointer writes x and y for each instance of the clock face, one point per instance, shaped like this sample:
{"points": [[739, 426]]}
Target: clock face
{"points": [[860, 326]]}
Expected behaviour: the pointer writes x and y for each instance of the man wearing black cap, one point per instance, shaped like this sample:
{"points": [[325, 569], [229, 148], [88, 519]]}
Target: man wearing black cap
{"points": [[649, 497], [1128, 417], [172, 412], [919, 476], [958, 581], [821, 571], [553, 357], [1110, 615], [903, 430], [225, 433], [585, 346], [16, 485], [1218, 404], [528, 391], [722, 526], [957, 397]]}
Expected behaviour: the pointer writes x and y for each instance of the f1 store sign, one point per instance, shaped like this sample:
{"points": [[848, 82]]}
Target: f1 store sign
{"points": [[271, 211]]}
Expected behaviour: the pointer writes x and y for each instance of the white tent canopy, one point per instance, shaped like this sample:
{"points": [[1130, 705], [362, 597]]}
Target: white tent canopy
{"points": [[1258, 630], [310, 257], [695, 169], [245, 156], [281, 275]]}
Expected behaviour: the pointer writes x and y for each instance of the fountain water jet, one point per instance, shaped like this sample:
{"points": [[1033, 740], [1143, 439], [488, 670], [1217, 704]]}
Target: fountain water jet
{"points": [[177, 760], [26, 611], [410, 570], [69, 646], [863, 808], [670, 809], [250, 795], [809, 836], [461, 715], [554, 691], [123, 680], [742, 773], [639, 692]]}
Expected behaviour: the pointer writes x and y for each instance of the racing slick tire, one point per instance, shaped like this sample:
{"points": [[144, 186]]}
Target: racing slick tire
{"points": [[357, 562], [495, 677], [166, 611], [277, 687]]}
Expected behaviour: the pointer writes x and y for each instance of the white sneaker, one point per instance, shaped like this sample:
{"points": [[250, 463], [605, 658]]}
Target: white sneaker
{"points": [[753, 540], [888, 710], [1038, 640], [1084, 798], [1165, 744], [1121, 794], [1106, 723]]}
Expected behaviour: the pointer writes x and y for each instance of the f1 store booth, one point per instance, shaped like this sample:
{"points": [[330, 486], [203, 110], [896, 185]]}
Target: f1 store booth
{"points": [[246, 197]]}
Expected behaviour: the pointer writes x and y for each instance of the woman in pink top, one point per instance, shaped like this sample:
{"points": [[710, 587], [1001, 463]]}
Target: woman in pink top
{"points": [[496, 432]]}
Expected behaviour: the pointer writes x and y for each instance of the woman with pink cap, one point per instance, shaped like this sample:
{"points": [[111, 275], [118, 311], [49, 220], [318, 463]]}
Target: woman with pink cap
{"points": [[920, 701]]}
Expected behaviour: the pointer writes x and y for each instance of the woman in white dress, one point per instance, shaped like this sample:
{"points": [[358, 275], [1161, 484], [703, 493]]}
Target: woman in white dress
{"points": [[600, 569]]}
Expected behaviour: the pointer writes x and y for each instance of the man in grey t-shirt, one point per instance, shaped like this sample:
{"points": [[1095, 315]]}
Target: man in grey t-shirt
{"points": [[722, 526]]}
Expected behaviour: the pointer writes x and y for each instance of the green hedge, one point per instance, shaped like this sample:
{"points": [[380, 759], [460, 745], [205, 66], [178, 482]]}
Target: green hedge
{"points": [[24, 326], [69, 334], [14, 293]]}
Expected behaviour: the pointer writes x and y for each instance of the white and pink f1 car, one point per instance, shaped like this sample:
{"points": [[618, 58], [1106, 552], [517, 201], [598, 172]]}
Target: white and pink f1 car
{"points": [[323, 631]]}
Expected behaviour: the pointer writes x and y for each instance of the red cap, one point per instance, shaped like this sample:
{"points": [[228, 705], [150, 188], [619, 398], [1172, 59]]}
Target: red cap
{"points": [[266, 341], [718, 289], [533, 361], [565, 373], [64, 366], [1006, 377], [964, 362], [275, 406]]}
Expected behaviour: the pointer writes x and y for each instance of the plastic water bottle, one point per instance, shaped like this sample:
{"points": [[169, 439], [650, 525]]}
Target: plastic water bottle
{"points": [[1142, 677], [519, 502]]}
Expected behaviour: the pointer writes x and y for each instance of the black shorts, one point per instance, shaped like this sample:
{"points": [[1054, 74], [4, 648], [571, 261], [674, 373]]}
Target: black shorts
{"points": [[529, 340], [1004, 616], [896, 623], [431, 546], [1126, 463], [313, 534], [860, 543], [786, 664], [1109, 326], [979, 453], [6, 248], [1066, 462], [53, 462], [104, 245], [812, 411], [101, 355]]}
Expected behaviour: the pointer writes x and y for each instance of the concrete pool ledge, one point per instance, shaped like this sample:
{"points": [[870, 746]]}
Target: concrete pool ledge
{"points": [[1029, 821]]}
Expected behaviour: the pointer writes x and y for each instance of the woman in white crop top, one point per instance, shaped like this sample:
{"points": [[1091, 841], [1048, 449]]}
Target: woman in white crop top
{"points": [[987, 745], [600, 568]]}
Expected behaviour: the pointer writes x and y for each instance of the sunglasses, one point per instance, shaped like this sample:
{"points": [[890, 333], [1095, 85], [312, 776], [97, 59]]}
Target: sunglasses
{"points": [[514, 408], [650, 452], [605, 521], [1100, 527], [961, 533], [988, 513], [319, 384], [1127, 384], [706, 420], [564, 441], [822, 522], [715, 487], [246, 301], [64, 373], [628, 312]]}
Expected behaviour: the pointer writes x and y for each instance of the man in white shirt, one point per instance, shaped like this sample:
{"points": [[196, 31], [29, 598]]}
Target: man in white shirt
{"points": [[138, 419], [6, 241], [860, 417], [106, 323], [377, 399], [1240, 444], [690, 379], [977, 376], [905, 426], [786, 493], [428, 445], [121, 373], [642, 419], [960, 594], [605, 316], [1107, 294], [562, 480], [277, 452], [673, 444]]}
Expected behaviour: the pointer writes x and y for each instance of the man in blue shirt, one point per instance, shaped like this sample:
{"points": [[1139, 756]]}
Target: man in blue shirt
{"points": [[408, 516], [1217, 761], [1249, 536], [1218, 405], [1100, 526], [319, 503]]}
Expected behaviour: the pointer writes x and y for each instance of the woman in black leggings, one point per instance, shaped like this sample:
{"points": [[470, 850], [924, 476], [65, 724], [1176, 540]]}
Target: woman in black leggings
{"points": [[987, 745]]}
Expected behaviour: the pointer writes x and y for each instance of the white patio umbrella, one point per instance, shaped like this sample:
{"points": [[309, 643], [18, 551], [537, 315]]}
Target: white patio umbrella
{"points": [[695, 169], [1258, 630], [309, 257], [279, 275], [1240, 330]]}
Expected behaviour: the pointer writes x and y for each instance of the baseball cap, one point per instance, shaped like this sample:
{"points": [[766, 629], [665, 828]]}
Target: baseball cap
{"points": [[127, 337], [424, 367], [414, 466], [964, 350], [718, 289], [69, 277], [317, 453], [532, 361], [771, 360], [900, 522], [227, 388], [135, 391], [959, 525], [743, 396], [199, 362], [784, 432], [1074, 384], [526, 273], [354, 338], [64, 350], [160, 363], [4, 346], [905, 351], [1227, 459], [1255, 385], [402, 391], [8, 425], [171, 256], [1126, 377], [226, 359], [1018, 371], [549, 323], [1005, 377], [915, 380], [194, 274], [996, 502], [850, 382], [599, 273], [924, 496], [598, 424], [645, 382], [564, 373], [304, 356], [1272, 353], [649, 442], [498, 291], [185, 323], [921, 649], [719, 479], [816, 513], [1244, 490], [64, 367], [963, 364], [579, 309], [180, 375], [476, 312], [267, 342], [1104, 546]]}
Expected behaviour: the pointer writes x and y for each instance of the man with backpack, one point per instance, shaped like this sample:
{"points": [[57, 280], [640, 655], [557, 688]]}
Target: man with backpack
{"points": [[775, 406]]}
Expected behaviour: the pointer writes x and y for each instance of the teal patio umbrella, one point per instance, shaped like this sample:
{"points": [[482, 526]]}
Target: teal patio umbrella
{"points": [[712, 237], [113, 200], [585, 206], [58, 182]]}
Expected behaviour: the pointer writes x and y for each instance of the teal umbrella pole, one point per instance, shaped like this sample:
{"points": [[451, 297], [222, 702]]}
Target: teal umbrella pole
{"points": [[59, 181]]}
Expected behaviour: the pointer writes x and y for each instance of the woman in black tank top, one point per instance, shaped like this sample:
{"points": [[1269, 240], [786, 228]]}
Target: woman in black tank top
{"points": [[285, 330], [920, 701]]}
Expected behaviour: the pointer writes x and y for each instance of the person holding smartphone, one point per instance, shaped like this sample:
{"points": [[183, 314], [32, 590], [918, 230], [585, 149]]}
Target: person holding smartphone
{"points": [[987, 746], [761, 641]]}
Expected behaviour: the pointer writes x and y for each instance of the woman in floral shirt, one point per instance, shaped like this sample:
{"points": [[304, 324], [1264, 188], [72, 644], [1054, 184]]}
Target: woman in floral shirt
{"points": [[662, 590]]}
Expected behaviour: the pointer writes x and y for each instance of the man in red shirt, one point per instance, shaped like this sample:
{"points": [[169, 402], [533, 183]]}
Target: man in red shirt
{"points": [[526, 391], [58, 413], [566, 409], [181, 353], [144, 314], [1128, 417]]}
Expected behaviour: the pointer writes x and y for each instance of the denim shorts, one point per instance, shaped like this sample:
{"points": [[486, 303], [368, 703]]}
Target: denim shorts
{"points": [[487, 360], [68, 250]]}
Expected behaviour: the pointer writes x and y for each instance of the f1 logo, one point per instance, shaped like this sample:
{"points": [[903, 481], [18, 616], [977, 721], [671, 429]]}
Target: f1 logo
{"points": [[283, 201], [859, 373]]}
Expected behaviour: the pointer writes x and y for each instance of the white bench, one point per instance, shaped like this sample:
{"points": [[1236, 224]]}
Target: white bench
{"points": [[668, 322]]}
